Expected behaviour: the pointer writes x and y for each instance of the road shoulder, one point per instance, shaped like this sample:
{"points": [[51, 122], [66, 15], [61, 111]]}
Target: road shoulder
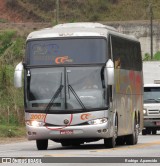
{"points": [[9, 140]]}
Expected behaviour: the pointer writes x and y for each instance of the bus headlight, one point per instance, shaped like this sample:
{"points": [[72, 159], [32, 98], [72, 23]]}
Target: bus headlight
{"points": [[144, 111], [35, 123], [97, 121]]}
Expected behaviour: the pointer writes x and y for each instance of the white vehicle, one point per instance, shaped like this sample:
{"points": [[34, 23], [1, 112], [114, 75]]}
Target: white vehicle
{"points": [[151, 109], [59, 64], [151, 70]]}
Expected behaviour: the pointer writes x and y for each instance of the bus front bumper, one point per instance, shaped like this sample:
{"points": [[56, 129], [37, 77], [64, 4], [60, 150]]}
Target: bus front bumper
{"points": [[69, 132]]}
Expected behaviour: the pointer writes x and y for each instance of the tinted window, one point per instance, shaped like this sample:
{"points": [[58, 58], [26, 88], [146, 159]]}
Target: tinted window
{"points": [[66, 51], [126, 54]]}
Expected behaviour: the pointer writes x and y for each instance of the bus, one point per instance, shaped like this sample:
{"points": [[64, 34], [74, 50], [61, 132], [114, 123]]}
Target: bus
{"points": [[83, 82]]}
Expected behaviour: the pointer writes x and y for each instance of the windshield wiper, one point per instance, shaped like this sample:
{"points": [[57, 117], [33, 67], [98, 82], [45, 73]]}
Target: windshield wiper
{"points": [[58, 91], [53, 98], [76, 96]]}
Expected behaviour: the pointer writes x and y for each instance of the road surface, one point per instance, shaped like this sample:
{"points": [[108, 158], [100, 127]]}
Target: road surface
{"points": [[148, 146]]}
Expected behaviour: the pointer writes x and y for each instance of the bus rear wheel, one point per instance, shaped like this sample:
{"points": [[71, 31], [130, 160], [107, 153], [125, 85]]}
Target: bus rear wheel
{"points": [[42, 144], [133, 138]]}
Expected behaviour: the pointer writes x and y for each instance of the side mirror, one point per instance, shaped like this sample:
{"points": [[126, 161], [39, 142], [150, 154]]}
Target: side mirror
{"points": [[109, 72], [18, 75]]}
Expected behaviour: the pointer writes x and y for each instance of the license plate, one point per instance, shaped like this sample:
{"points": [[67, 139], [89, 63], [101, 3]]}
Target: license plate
{"points": [[66, 132], [158, 123]]}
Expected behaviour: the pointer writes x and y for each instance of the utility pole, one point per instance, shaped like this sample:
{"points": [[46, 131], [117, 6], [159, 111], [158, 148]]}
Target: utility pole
{"points": [[57, 11], [151, 28]]}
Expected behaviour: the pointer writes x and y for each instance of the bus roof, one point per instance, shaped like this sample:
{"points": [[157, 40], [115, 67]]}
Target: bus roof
{"points": [[77, 29]]}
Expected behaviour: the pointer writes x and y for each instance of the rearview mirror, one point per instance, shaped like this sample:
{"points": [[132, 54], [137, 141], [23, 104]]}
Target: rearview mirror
{"points": [[109, 72], [18, 75]]}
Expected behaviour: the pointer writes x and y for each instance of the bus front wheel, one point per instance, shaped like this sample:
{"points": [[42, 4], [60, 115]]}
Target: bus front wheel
{"points": [[42, 144], [111, 142]]}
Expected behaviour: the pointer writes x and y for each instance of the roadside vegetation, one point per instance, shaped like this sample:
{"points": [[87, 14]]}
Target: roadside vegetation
{"points": [[156, 57], [11, 104], [12, 131]]}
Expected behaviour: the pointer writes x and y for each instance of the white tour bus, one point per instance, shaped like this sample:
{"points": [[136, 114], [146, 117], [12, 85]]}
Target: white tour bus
{"points": [[82, 82]]}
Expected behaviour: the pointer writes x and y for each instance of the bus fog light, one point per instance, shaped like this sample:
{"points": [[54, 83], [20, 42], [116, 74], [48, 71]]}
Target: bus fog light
{"points": [[35, 123], [104, 130], [97, 121], [29, 133], [99, 131]]}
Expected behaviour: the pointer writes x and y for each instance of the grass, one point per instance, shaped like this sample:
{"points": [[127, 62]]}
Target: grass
{"points": [[12, 131], [11, 99]]}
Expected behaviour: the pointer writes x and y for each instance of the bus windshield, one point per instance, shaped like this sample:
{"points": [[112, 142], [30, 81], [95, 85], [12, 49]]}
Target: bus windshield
{"points": [[62, 89], [66, 51], [151, 94]]}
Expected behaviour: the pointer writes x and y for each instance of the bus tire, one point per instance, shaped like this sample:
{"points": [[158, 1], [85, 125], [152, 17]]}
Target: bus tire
{"points": [[120, 141], [133, 138], [42, 144], [111, 142]]}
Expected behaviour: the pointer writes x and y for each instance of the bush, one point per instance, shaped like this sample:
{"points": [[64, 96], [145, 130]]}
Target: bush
{"points": [[11, 99], [11, 47], [147, 57], [157, 56], [6, 40]]}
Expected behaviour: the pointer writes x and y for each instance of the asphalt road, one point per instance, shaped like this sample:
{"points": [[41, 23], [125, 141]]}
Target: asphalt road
{"points": [[148, 146]]}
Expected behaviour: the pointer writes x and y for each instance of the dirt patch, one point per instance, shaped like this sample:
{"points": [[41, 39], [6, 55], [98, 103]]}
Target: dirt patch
{"points": [[7, 140], [7, 14]]}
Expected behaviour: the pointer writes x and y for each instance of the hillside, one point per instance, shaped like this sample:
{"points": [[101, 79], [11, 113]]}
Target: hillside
{"points": [[7, 14], [76, 10]]}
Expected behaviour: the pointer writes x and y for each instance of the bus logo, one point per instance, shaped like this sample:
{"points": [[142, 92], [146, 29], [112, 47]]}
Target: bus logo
{"points": [[62, 60], [6, 160], [66, 121], [85, 116]]}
